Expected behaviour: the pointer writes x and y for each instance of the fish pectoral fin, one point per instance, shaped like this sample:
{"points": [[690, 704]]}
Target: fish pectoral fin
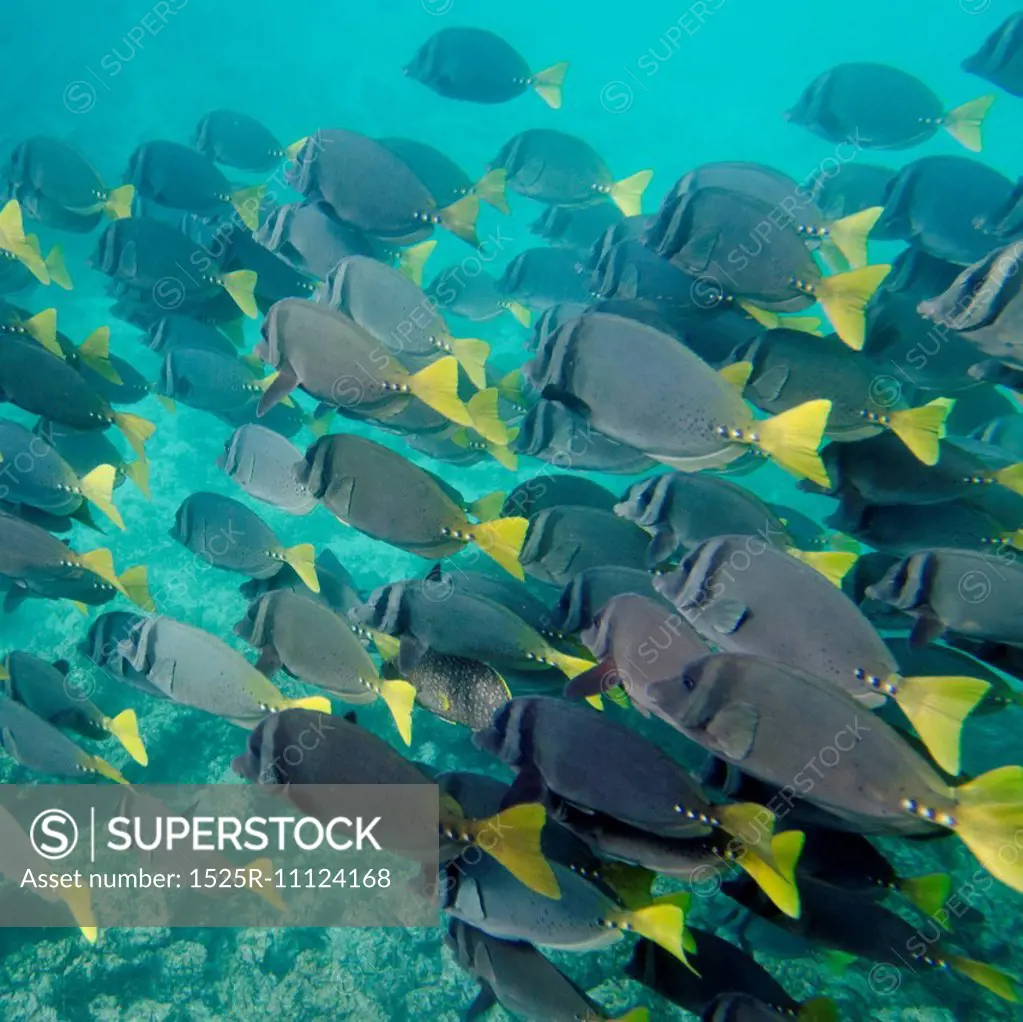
{"points": [[663, 546], [724, 616], [161, 676], [927, 628], [485, 1000], [768, 386], [410, 652], [695, 256], [528, 787], [269, 662], [280, 387], [733, 729]]}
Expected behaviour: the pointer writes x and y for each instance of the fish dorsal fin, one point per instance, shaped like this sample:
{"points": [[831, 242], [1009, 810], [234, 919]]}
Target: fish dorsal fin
{"points": [[733, 729]]}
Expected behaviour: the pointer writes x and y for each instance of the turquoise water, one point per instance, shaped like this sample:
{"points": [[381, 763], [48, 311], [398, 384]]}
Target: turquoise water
{"points": [[657, 85]]}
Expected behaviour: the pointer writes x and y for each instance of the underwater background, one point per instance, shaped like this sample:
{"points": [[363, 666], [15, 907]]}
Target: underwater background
{"points": [[657, 85]]}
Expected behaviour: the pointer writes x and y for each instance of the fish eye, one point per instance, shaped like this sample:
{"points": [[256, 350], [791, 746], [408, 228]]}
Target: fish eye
{"points": [[689, 682]]}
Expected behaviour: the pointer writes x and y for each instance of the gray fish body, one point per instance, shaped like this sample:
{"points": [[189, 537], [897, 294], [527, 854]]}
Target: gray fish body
{"points": [[36, 743], [309, 236], [542, 277], [34, 473], [46, 691], [553, 433], [38, 207], [740, 708], [57, 172], [730, 590], [237, 140], [682, 510], [1000, 58], [263, 463], [108, 645], [553, 740], [443, 178], [587, 593], [972, 594], [555, 168], [311, 642], [194, 668], [854, 188], [1006, 433], [172, 332], [743, 1008], [337, 588], [228, 535], [871, 105], [506, 591], [941, 204], [631, 272], [577, 228], [555, 490], [477, 298], [177, 176], [566, 540], [27, 550], [644, 389]]}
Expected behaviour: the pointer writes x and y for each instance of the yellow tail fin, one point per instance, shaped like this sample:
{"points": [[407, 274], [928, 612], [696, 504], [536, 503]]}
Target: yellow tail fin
{"points": [[400, 697], [135, 584], [793, 439], [302, 559], [247, 201], [98, 765], [627, 194], [136, 430], [57, 268], [929, 893], [635, 1015], [125, 728], [663, 924], [98, 487], [437, 386], [512, 838], [1001, 984], [119, 200], [101, 562], [491, 189], [43, 327], [505, 458], [460, 218], [267, 890], [488, 506], [818, 1009], [483, 410], [751, 824], [548, 84], [501, 540], [844, 298], [12, 226], [778, 882], [989, 815], [412, 260], [937, 707], [138, 472], [570, 666], [472, 357], [737, 375], [850, 234], [522, 315], [94, 351], [804, 324], [834, 565], [292, 151], [387, 645], [966, 123], [79, 902], [1011, 477], [241, 286], [921, 429], [321, 704]]}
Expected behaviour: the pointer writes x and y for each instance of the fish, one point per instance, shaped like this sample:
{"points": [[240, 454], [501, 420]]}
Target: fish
{"points": [[541, 277], [588, 592], [940, 203], [193, 668], [338, 589], [155, 258], [550, 490], [313, 643], [421, 616], [43, 384], [444, 179], [875, 106], [943, 589], [226, 534], [108, 644], [209, 380], [345, 753], [584, 917], [562, 170], [636, 399], [577, 228], [399, 315], [630, 271], [477, 297], [310, 237], [723, 969], [276, 278], [21, 253], [183, 178], [728, 590], [263, 464], [379, 493], [456, 689], [563, 541], [728, 240], [744, 1008], [856, 187], [1005, 432], [789, 367], [58, 173], [374, 191], [238, 140], [477, 66], [998, 59], [86, 450], [34, 473], [46, 690], [329, 356], [172, 331], [681, 510], [38, 745], [517, 976]]}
